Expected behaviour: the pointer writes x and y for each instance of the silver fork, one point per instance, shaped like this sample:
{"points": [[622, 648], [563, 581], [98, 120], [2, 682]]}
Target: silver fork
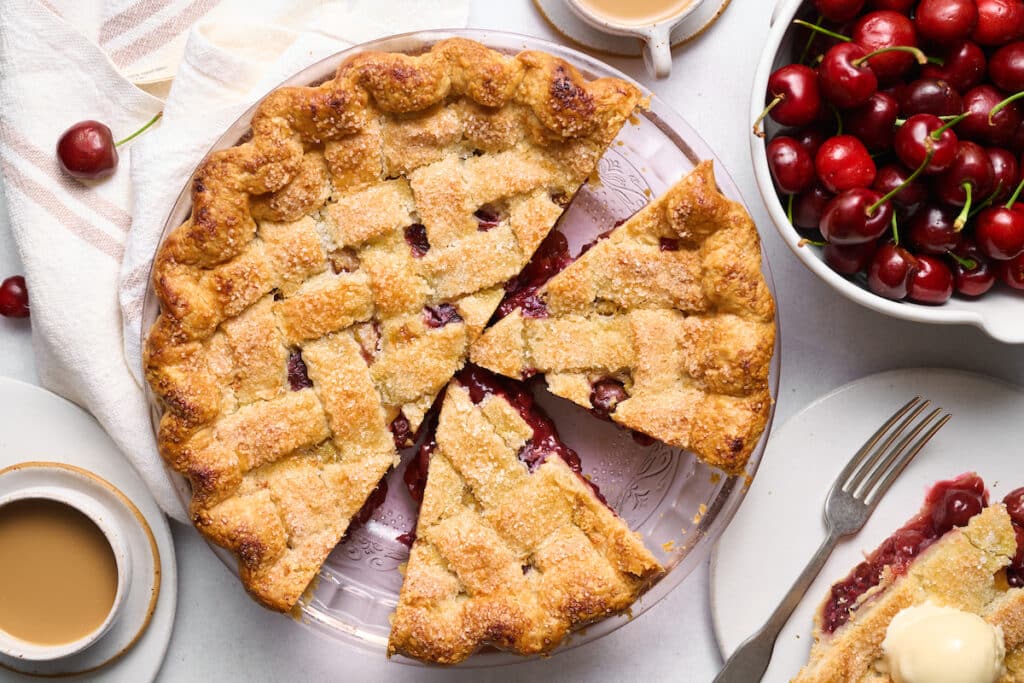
{"points": [[851, 500]]}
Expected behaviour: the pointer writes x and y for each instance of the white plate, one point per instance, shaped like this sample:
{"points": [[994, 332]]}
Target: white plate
{"points": [[779, 525], [36, 425]]}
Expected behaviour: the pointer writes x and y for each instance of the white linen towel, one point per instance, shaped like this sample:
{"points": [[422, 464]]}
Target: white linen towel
{"points": [[87, 247]]}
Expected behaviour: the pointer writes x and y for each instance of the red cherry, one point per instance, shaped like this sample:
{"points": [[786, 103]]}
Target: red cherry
{"points": [[795, 86], [970, 167], [14, 297], [956, 509], [892, 176], [931, 230], [849, 259], [844, 78], [847, 220], [877, 30], [945, 21], [838, 11], [791, 165], [979, 101], [901, 6], [1012, 272], [875, 121], [810, 138], [1014, 502], [1004, 172], [809, 206], [916, 137], [1000, 232], [843, 163], [963, 66], [1006, 68], [929, 96], [932, 282], [86, 150], [999, 22], [890, 271], [972, 273]]}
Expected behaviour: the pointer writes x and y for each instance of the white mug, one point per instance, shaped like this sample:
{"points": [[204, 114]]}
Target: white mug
{"points": [[96, 511], [657, 49]]}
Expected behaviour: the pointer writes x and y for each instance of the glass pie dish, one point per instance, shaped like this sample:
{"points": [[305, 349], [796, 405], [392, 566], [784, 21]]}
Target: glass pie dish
{"points": [[678, 504]]}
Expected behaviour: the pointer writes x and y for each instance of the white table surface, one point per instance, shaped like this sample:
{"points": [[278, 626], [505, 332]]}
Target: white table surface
{"points": [[221, 635]]}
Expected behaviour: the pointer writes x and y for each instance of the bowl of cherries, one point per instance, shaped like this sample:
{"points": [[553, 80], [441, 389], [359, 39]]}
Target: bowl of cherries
{"points": [[887, 144]]}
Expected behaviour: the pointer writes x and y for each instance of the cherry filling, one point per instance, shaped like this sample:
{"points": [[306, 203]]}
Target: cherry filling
{"points": [[668, 244], [440, 315], [551, 257], [416, 237], [415, 475], [487, 217], [370, 505], [1015, 506], [298, 375], [401, 430], [948, 504], [605, 395]]}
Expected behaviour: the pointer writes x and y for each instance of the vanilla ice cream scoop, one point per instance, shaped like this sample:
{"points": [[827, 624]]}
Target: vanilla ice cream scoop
{"points": [[932, 644]]}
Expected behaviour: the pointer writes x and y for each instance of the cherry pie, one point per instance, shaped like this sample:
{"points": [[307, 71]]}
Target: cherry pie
{"points": [[666, 325], [958, 552], [334, 272], [514, 547]]}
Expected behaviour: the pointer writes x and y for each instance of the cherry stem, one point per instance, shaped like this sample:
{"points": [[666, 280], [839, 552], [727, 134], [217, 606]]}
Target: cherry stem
{"points": [[839, 120], [937, 133], [821, 29], [789, 209], [810, 41], [758, 131], [895, 230], [918, 55], [1016, 193], [140, 131], [961, 220], [911, 178], [806, 241], [937, 61], [999, 107], [988, 201], [968, 263]]}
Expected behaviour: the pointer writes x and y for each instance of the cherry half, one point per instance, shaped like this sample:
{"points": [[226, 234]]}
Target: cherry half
{"points": [[14, 297]]}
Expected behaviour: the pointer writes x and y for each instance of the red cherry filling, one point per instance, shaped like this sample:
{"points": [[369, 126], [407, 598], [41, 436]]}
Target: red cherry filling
{"points": [[440, 315], [416, 237], [948, 504], [605, 395], [551, 257], [487, 217], [298, 375], [401, 430], [668, 244], [1014, 502], [374, 501]]}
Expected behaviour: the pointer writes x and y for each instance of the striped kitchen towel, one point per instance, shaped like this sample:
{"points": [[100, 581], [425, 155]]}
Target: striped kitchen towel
{"points": [[87, 246]]}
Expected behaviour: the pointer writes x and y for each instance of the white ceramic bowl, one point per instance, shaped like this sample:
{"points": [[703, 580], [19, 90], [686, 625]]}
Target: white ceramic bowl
{"points": [[1000, 312], [81, 492]]}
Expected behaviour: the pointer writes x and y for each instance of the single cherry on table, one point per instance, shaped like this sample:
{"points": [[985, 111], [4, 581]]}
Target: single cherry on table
{"points": [[14, 297], [87, 149]]}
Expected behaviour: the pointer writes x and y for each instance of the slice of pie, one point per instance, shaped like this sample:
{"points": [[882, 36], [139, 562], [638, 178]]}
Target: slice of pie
{"points": [[666, 325], [513, 548], [959, 555], [334, 271]]}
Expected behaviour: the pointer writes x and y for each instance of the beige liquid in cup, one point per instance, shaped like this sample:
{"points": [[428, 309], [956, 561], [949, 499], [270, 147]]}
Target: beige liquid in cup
{"points": [[58, 574], [635, 12]]}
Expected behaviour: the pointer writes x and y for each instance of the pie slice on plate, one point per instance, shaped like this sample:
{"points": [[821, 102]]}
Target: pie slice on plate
{"points": [[916, 609], [666, 325], [334, 271], [513, 547]]}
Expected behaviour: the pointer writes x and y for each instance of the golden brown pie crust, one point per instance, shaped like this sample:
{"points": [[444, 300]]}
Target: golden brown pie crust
{"points": [[963, 569], [298, 242], [505, 557], [689, 331]]}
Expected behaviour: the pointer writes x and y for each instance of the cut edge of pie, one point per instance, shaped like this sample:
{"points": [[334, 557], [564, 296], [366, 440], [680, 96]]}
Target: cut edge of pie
{"points": [[333, 272], [962, 568], [666, 326], [514, 548]]}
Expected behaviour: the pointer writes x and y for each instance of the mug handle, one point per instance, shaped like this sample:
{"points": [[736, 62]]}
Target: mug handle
{"points": [[658, 51]]}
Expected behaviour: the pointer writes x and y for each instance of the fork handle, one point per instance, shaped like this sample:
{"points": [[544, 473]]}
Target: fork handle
{"points": [[750, 660]]}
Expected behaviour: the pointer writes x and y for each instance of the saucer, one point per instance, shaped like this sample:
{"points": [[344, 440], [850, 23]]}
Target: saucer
{"points": [[45, 439], [563, 20]]}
